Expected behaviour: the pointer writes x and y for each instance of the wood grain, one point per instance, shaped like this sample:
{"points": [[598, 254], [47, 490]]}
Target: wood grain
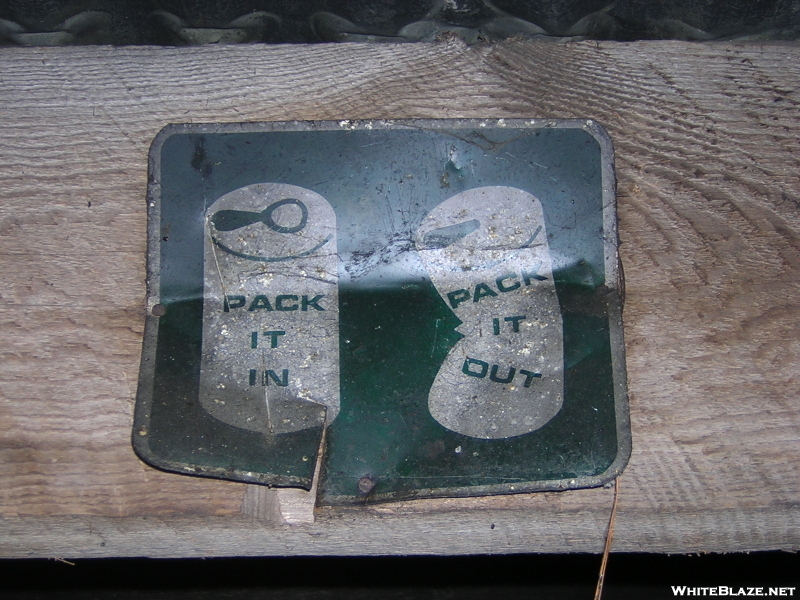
{"points": [[708, 167]]}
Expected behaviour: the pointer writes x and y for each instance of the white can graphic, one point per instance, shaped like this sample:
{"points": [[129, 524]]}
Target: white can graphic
{"points": [[486, 252], [270, 356]]}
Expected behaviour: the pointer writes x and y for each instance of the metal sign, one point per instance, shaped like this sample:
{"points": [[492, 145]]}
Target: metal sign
{"points": [[440, 299]]}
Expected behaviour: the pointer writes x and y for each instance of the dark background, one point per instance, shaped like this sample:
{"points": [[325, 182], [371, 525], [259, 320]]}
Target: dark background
{"points": [[513, 577], [126, 22]]}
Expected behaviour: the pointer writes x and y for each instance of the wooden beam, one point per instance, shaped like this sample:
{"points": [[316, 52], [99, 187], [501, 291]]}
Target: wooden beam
{"points": [[708, 169]]}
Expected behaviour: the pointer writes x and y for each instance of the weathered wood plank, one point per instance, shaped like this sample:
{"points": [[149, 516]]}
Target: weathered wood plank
{"points": [[464, 531], [708, 169]]}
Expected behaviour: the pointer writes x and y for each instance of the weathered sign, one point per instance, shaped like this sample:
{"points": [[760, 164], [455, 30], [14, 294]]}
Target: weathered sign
{"points": [[440, 298]]}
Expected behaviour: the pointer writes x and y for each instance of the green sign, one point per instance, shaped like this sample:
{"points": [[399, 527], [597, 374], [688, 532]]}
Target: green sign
{"points": [[429, 308]]}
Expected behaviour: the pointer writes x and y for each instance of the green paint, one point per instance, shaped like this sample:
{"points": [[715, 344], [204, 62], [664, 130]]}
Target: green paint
{"points": [[181, 433], [394, 336]]}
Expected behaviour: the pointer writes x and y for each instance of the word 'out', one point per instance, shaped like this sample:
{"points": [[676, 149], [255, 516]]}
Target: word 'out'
{"points": [[479, 368]]}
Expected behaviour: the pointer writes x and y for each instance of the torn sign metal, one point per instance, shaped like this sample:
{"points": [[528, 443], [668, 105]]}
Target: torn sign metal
{"points": [[441, 298]]}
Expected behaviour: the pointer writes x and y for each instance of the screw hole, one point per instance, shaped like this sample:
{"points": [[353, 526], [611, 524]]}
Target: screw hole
{"points": [[365, 485]]}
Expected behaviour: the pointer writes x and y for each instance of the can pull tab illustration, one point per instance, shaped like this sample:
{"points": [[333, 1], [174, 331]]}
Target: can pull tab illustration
{"points": [[270, 356], [486, 253]]}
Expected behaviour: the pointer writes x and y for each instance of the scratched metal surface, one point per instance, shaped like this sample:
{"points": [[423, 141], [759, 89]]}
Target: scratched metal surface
{"points": [[441, 296]]}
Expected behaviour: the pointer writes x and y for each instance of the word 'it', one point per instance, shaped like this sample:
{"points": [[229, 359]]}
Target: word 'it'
{"points": [[505, 283], [283, 302], [513, 320], [272, 335], [479, 368]]}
